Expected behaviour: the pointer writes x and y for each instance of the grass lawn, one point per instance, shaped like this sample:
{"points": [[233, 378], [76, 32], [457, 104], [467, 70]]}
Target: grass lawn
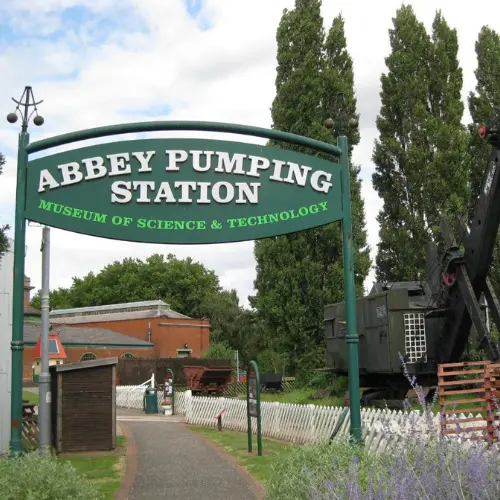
{"points": [[236, 445], [32, 397], [301, 396], [103, 469]]}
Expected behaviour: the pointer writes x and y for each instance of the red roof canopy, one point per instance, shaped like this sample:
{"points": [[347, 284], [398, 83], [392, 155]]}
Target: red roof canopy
{"points": [[56, 349]]}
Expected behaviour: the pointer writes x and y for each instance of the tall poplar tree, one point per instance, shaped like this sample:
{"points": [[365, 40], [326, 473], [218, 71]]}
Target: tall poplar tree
{"points": [[298, 274], [421, 152], [483, 104]]}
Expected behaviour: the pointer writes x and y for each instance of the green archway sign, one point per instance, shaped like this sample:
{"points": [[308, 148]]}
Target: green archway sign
{"points": [[180, 191]]}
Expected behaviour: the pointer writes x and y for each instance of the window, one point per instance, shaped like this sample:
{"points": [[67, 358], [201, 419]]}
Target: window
{"points": [[53, 346], [127, 355], [415, 342], [184, 353], [88, 356]]}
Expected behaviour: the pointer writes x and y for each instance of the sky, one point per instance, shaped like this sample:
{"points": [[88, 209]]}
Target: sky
{"points": [[103, 62]]}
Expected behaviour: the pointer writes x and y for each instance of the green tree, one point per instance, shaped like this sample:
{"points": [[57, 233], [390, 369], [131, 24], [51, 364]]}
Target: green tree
{"points": [[421, 153], [187, 286], [182, 283], [221, 350], [4, 242], [298, 274], [484, 105]]}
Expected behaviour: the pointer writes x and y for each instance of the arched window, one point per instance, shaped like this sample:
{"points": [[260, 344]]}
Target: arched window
{"points": [[127, 355], [88, 356]]}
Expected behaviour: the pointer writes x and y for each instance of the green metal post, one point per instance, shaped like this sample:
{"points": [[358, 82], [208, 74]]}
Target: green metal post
{"points": [[17, 344], [249, 418], [259, 416], [253, 366], [350, 295]]}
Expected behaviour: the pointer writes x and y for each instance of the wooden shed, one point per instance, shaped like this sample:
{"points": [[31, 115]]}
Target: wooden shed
{"points": [[84, 405]]}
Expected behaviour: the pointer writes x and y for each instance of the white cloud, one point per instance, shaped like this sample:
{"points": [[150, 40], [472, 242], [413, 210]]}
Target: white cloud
{"points": [[101, 73]]}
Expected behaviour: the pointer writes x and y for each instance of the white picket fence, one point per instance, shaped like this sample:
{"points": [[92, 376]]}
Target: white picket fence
{"points": [[297, 423], [132, 396]]}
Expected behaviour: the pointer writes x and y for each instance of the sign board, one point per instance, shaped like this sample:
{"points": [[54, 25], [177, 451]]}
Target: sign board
{"points": [[183, 191], [253, 405], [252, 395]]}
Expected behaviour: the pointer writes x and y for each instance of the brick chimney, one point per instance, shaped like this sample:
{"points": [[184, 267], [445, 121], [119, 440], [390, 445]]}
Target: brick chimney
{"points": [[27, 291]]}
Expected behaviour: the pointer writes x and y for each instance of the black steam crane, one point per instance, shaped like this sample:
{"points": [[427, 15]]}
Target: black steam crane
{"points": [[430, 322]]}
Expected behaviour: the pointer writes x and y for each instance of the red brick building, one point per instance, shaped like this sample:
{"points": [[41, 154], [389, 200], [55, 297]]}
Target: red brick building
{"points": [[131, 330], [173, 334]]}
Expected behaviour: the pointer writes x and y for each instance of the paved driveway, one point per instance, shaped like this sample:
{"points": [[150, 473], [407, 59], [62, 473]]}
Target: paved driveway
{"points": [[174, 463]]}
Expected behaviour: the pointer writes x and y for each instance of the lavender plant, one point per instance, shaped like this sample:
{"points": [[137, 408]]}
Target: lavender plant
{"points": [[424, 465]]}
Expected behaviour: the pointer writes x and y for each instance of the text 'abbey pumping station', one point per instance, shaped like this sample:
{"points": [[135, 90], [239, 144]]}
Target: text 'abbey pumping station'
{"points": [[183, 191]]}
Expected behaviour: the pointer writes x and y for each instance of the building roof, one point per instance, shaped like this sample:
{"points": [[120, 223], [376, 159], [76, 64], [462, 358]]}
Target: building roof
{"points": [[56, 349], [115, 312], [83, 336]]}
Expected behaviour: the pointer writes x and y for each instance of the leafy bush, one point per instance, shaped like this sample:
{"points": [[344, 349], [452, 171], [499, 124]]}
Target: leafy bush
{"points": [[33, 477]]}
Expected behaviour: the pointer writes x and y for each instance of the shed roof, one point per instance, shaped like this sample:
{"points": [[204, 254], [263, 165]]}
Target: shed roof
{"points": [[85, 336], [84, 365]]}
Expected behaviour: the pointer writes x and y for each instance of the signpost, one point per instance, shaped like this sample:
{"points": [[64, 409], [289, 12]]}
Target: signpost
{"points": [[179, 191], [253, 405]]}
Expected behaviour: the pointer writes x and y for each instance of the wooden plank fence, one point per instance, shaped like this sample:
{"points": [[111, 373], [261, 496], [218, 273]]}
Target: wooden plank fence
{"points": [[472, 388]]}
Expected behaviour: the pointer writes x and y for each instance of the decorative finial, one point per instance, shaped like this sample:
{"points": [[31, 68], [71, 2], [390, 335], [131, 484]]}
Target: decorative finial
{"points": [[23, 110]]}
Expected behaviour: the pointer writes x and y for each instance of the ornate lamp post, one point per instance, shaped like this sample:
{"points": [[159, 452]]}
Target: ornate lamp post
{"points": [[23, 109], [349, 284]]}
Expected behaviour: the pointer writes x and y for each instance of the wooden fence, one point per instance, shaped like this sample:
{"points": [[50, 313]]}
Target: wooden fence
{"points": [[135, 371], [473, 388], [30, 432]]}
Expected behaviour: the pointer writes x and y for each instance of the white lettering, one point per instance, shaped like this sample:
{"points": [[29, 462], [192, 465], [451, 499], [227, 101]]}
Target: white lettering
{"points": [[297, 174], [196, 160], [257, 163], [185, 186], [117, 164], [142, 187], [321, 186], [165, 193], [174, 157], [248, 192], [278, 165], [216, 192], [95, 168], [203, 194], [46, 179], [227, 164], [71, 173], [121, 192], [144, 159]]}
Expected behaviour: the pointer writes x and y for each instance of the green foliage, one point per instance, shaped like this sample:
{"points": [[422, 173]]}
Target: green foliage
{"points": [[221, 351], [271, 362], [4, 242], [298, 274], [32, 477], [421, 155]]}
